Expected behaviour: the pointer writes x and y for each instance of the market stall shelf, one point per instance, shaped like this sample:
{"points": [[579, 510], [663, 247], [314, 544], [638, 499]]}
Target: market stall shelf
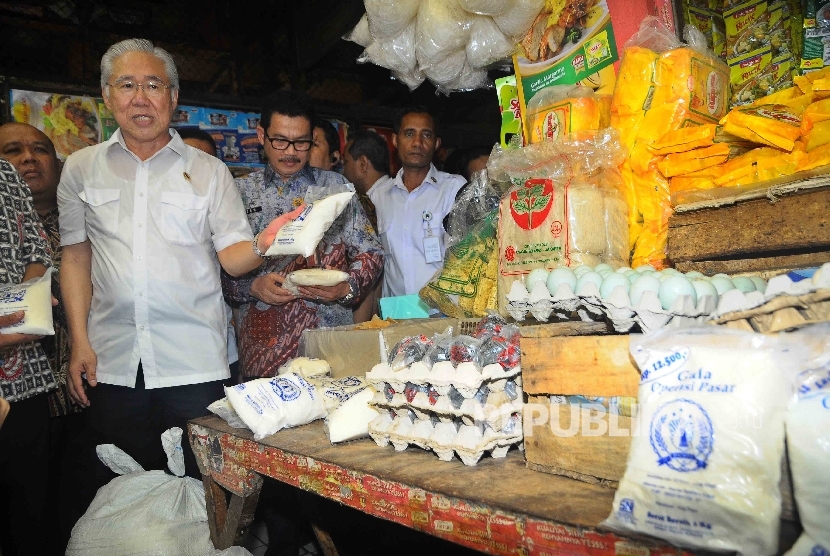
{"points": [[497, 507]]}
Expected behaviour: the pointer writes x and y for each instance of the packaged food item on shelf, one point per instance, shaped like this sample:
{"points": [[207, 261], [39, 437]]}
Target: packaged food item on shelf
{"points": [[562, 109]]}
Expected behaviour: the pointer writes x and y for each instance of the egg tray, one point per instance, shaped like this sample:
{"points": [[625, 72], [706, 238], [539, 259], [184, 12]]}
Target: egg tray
{"points": [[801, 303], [467, 379], [492, 408], [402, 428]]}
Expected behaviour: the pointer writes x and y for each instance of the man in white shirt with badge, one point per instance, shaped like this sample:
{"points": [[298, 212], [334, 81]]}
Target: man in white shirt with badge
{"points": [[146, 222], [411, 207]]}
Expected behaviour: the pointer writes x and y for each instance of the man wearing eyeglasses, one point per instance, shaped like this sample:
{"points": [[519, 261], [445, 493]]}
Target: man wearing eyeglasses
{"points": [[146, 223], [272, 319]]}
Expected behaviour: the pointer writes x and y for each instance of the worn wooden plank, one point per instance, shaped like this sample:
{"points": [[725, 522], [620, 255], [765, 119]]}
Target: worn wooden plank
{"points": [[579, 365], [755, 264], [568, 328], [797, 221], [228, 522]]}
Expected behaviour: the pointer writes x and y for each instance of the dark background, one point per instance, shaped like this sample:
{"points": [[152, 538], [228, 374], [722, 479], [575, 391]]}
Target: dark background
{"points": [[230, 55]]}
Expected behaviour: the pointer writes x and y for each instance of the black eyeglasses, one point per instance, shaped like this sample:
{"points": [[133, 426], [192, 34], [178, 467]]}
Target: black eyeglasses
{"points": [[300, 145]]}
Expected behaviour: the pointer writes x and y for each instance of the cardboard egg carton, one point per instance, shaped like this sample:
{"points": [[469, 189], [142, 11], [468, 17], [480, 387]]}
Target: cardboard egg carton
{"points": [[785, 304], [466, 378], [403, 428]]}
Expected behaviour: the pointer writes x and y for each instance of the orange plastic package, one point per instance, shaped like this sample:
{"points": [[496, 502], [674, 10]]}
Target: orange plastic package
{"points": [[817, 158], [816, 112], [552, 116], [772, 124], [744, 165], [653, 200], [691, 161], [684, 139]]}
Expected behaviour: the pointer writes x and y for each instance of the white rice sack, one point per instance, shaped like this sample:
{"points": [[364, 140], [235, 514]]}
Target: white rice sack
{"points": [[306, 367], [360, 34], [225, 410], [301, 236], [268, 405], [586, 219], [808, 444], [486, 7], [443, 28], [487, 43], [447, 70], [396, 54], [516, 21], [351, 420], [33, 296], [703, 472], [313, 277], [388, 18]]}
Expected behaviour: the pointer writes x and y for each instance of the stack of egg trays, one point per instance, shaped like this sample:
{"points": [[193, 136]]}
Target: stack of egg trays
{"points": [[481, 415]]}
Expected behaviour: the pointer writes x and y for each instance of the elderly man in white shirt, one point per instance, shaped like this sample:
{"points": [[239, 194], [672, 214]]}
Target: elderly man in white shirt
{"points": [[411, 207], [146, 222]]}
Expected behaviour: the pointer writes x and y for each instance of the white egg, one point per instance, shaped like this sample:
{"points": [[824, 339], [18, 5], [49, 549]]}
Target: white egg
{"points": [[722, 283], [670, 270], [704, 288], [641, 285], [744, 284], [593, 277], [624, 270], [721, 275], [695, 275], [605, 272], [632, 277], [647, 272], [643, 267], [673, 288], [582, 269], [603, 266], [611, 282], [760, 283], [535, 275], [559, 276]]}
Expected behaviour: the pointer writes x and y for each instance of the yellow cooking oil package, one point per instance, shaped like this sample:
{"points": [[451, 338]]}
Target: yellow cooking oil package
{"points": [[772, 124], [676, 164], [563, 109], [685, 139]]}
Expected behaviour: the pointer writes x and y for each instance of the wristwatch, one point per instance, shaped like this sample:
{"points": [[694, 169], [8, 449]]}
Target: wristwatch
{"points": [[257, 252], [349, 297]]}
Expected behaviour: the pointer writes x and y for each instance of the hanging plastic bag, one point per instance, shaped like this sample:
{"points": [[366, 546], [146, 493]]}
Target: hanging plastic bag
{"points": [[388, 18], [443, 29], [487, 7], [360, 34], [396, 54], [517, 20], [487, 43]]}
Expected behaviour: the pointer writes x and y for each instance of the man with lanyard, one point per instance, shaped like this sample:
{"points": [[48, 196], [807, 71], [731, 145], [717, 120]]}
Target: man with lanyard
{"points": [[146, 222], [272, 318], [411, 207]]}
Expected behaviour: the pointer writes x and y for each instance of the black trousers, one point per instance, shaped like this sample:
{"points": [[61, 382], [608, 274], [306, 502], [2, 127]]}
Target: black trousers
{"points": [[24, 476]]}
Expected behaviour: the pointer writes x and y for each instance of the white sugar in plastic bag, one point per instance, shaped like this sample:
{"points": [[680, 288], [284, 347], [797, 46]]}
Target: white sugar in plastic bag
{"points": [[808, 444], [351, 419], [486, 7], [33, 296], [704, 470], [487, 43], [268, 405], [301, 236], [442, 29], [516, 21], [360, 34], [223, 409], [388, 18], [396, 54], [336, 391]]}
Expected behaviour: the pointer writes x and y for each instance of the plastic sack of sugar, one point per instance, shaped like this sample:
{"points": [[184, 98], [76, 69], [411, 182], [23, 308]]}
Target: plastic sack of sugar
{"points": [[301, 236], [808, 444], [337, 391], [705, 463], [351, 420], [268, 405], [33, 296], [223, 408]]}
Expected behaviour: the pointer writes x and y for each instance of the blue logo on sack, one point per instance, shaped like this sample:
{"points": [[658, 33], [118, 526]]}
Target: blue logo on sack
{"points": [[819, 550], [285, 389], [626, 511], [682, 435], [12, 296]]}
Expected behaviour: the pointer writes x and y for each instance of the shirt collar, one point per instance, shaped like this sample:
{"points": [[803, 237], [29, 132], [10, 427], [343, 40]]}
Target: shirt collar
{"points": [[430, 179], [271, 176], [176, 144]]}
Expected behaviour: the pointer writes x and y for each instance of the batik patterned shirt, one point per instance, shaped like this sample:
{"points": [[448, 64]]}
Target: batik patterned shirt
{"points": [[269, 335], [24, 368]]}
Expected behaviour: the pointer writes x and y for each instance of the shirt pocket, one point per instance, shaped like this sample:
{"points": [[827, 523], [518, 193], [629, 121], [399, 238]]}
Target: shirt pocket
{"points": [[183, 217], [103, 209]]}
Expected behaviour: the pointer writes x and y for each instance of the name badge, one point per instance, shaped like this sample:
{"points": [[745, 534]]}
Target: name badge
{"points": [[432, 250]]}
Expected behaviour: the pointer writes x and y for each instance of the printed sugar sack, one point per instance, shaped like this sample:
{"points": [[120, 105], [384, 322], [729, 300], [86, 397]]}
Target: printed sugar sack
{"points": [[146, 513], [33, 296], [808, 444], [268, 405], [301, 236], [704, 471]]}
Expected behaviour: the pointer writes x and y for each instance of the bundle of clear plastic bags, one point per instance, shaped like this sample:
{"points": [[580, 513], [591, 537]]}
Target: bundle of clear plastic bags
{"points": [[396, 54], [515, 21], [388, 18]]}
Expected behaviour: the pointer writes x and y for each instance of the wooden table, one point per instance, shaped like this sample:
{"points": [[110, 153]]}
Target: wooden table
{"points": [[498, 506]]}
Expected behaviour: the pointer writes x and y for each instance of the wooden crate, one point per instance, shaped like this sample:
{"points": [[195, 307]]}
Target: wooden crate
{"points": [[779, 228]]}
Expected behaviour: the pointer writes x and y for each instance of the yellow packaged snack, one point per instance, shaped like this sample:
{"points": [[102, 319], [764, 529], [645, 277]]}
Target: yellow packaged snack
{"points": [[805, 82], [634, 82], [685, 139], [692, 161], [684, 183], [819, 135], [749, 158], [569, 115], [629, 191], [816, 159], [772, 124], [779, 97], [710, 173], [799, 104], [814, 113]]}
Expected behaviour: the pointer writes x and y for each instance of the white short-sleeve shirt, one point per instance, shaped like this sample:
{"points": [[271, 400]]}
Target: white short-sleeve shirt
{"points": [[155, 227], [404, 220]]}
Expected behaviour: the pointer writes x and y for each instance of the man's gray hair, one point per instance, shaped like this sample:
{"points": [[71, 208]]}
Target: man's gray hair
{"points": [[138, 45]]}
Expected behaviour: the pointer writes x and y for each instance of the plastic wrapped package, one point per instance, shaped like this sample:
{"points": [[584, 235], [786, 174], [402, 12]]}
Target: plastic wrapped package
{"points": [[562, 109], [464, 349], [501, 349], [490, 325], [408, 351], [712, 404], [487, 43], [446, 70], [443, 29], [585, 205], [773, 125], [396, 54], [468, 80], [616, 229], [411, 79], [439, 350], [685, 139], [632, 92], [360, 34], [487, 7], [388, 18], [676, 164], [517, 20], [476, 200]]}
